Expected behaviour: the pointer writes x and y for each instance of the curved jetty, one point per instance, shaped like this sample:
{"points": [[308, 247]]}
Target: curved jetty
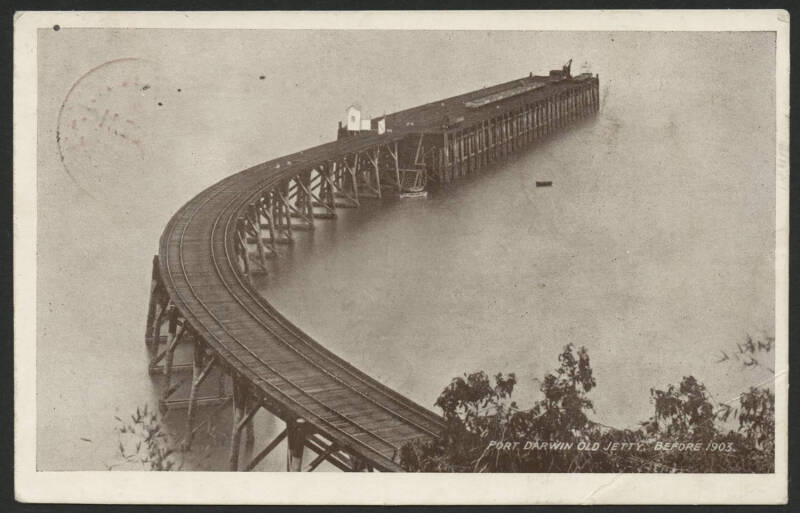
{"points": [[201, 293]]}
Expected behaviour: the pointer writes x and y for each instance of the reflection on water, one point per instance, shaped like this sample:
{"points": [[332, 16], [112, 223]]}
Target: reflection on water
{"points": [[652, 247]]}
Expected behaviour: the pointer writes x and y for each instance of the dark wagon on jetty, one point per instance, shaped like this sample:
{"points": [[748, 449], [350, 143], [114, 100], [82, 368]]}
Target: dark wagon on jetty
{"points": [[201, 294]]}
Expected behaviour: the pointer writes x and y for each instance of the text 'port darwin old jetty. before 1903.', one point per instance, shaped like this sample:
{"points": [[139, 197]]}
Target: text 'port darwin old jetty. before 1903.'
{"points": [[201, 295]]}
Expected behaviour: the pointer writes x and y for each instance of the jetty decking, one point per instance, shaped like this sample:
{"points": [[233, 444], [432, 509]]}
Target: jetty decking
{"points": [[201, 292]]}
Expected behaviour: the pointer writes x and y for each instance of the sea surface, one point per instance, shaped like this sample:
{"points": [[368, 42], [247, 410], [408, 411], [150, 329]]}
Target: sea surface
{"points": [[653, 248]]}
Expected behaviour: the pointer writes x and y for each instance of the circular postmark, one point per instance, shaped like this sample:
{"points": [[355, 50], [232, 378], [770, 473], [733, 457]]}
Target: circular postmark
{"points": [[102, 126]]}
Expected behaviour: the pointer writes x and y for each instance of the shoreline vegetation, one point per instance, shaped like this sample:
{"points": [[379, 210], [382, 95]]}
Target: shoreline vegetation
{"points": [[486, 431], [687, 432]]}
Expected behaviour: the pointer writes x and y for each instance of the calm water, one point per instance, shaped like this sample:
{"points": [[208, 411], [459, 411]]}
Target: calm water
{"points": [[653, 248]]}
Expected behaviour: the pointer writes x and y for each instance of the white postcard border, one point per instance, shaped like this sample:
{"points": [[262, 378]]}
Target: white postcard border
{"points": [[372, 488]]}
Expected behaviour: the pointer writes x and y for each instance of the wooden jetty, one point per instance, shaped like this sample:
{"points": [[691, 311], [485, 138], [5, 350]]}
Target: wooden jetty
{"points": [[201, 293]]}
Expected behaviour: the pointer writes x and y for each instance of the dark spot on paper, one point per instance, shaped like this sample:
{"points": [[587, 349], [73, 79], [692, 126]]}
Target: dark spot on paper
{"points": [[160, 104], [103, 120], [56, 27], [262, 77], [145, 87], [179, 90]]}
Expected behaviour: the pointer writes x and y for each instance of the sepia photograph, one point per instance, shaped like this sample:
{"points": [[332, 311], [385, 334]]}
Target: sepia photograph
{"points": [[537, 247]]}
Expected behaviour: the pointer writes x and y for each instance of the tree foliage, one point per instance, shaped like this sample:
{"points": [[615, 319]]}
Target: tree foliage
{"points": [[142, 440], [486, 431]]}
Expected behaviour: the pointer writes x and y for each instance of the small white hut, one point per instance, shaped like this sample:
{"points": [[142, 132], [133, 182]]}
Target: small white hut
{"points": [[356, 121], [354, 117]]}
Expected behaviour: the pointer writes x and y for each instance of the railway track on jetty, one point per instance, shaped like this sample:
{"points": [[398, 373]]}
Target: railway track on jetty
{"points": [[201, 292]]}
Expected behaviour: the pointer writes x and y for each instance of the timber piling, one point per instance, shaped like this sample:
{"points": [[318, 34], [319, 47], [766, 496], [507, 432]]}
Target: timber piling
{"points": [[201, 291]]}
